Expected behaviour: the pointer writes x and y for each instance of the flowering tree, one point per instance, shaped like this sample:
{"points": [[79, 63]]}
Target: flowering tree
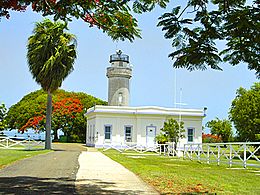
{"points": [[112, 16], [64, 114], [67, 114]]}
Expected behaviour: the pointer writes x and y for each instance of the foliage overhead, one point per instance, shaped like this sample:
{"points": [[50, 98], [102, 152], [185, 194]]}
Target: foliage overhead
{"points": [[221, 128], [112, 16], [197, 28], [3, 111], [67, 115], [245, 113], [172, 131]]}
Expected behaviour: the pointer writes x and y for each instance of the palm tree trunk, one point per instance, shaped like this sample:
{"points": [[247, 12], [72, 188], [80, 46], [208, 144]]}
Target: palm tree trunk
{"points": [[48, 122], [55, 133]]}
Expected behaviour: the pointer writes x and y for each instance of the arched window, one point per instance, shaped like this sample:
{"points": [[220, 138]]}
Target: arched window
{"points": [[120, 98]]}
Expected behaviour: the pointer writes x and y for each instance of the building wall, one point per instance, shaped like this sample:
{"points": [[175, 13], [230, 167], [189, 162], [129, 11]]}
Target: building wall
{"points": [[139, 125], [91, 132]]}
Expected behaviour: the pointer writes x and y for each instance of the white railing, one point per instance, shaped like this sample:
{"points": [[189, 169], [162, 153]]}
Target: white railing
{"points": [[28, 144], [240, 153], [168, 149], [162, 149]]}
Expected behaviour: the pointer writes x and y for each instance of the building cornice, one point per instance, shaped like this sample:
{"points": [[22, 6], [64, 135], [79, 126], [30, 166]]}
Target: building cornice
{"points": [[145, 110]]}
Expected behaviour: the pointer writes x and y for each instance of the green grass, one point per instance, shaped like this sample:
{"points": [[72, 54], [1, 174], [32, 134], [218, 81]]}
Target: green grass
{"points": [[8, 156], [173, 175]]}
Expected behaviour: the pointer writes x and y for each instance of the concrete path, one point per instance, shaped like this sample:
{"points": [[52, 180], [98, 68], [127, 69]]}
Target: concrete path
{"points": [[69, 170], [98, 174]]}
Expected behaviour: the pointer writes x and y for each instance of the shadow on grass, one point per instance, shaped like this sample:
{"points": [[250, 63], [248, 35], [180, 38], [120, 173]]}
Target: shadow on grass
{"points": [[35, 185]]}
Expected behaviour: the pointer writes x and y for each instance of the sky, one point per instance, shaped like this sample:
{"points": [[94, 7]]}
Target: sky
{"points": [[153, 82]]}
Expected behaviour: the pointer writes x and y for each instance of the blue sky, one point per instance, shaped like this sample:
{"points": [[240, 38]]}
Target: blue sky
{"points": [[153, 76]]}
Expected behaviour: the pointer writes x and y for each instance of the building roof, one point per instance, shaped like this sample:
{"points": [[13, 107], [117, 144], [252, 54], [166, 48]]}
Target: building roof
{"points": [[146, 110]]}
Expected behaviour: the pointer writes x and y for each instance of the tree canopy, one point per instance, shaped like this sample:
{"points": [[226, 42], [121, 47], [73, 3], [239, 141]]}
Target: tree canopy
{"points": [[197, 29], [51, 54], [245, 113], [67, 114], [221, 128], [3, 112], [114, 17]]}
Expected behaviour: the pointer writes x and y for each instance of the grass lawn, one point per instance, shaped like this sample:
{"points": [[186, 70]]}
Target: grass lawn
{"points": [[173, 175], [9, 156]]}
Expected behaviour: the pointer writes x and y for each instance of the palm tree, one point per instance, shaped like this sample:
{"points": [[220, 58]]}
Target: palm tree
{"points": [[51, 55]]}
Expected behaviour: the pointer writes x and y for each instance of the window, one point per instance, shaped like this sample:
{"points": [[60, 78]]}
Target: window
{"points": [[128, 133], [107, 131], [120, 98], [190, 134]]}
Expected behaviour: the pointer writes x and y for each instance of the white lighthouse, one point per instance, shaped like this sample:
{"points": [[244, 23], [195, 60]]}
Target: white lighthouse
{"points": [[119, 125], [119, 74]]}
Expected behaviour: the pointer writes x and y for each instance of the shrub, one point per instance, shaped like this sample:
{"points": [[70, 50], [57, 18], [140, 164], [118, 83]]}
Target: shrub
{"points": [[209, 138]]}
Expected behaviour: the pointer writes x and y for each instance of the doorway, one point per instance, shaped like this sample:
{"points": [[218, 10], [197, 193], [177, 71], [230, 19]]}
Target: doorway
{"points": [[150, 136]]}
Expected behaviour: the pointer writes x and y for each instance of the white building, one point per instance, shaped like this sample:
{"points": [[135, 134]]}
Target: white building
{"points": [[120, 125]]}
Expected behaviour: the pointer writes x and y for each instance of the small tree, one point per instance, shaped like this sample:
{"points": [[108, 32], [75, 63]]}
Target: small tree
{"points": [[172, 131], [3, 111], [221, 128]]}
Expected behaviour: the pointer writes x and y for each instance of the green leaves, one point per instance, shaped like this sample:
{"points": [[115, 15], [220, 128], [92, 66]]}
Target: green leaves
{"points": [[140, 6], [33, 105], [102, 14], [221, 128], [3, 111], [172, 131], [245, 113], [196, 29], [51, 54]]}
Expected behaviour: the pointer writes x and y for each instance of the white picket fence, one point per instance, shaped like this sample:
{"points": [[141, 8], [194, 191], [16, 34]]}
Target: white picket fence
{"points": [[240, 153], [28, 144]]}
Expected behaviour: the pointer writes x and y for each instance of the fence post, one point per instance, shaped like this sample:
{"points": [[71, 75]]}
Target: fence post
{"points": [[208, 153], [184, 152], [230, 155], [218, 160], [199, 152], [29, 145], [191, 151], [244, 162], [7, 142], [173, 150]]}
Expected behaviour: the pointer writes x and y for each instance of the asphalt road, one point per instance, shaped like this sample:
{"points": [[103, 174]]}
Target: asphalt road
{"points": [[51, 173]]}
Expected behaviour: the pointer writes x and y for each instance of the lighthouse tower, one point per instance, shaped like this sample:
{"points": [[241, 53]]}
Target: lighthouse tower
{"points": [[119, 74]]}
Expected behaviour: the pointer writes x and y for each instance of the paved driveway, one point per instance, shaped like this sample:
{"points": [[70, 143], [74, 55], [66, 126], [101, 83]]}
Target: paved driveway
{"points": [[51, 173]]}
